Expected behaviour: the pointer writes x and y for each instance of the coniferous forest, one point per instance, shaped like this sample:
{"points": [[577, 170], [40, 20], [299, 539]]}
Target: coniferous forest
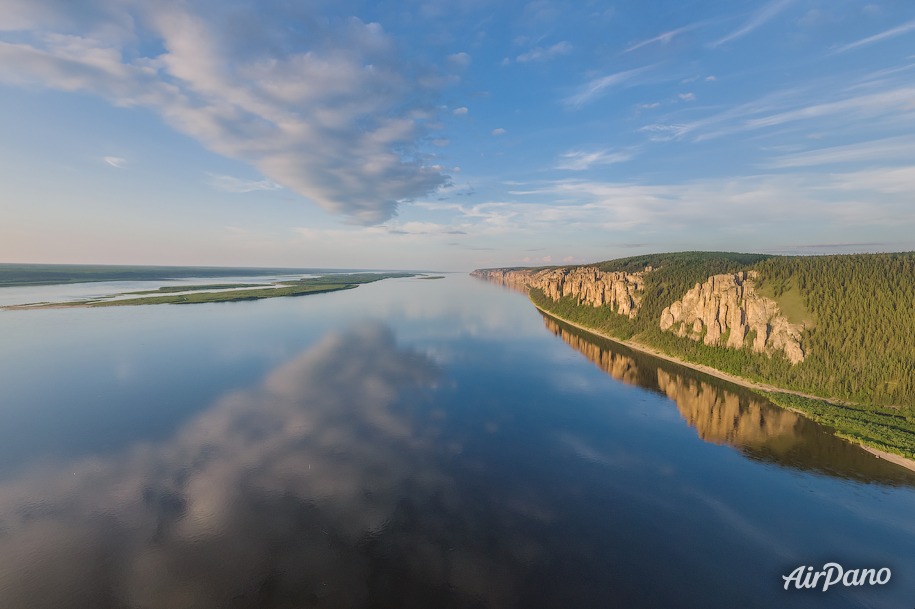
{"points": [[859, 340]]}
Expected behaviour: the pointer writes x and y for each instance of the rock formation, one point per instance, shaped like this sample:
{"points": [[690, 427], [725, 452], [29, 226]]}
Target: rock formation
{"points": [[726, 309], [622, 292]]}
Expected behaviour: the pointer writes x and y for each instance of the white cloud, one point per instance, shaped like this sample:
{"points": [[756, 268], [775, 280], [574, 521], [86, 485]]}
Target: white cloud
{"points": [[810, 107], [461, 60], [661, 132], [759, 18], [460, 111], [754, 205], [335, 122], [687, 96], [894, 100], [499, 131], [115, 161], [598, 87], [887, 149], [890, 33], [579, 160], [545, 54], [232, 184], [664, 38]]}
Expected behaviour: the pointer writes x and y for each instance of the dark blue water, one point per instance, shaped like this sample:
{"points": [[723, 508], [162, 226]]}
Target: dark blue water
{"points": [[410, 443]]}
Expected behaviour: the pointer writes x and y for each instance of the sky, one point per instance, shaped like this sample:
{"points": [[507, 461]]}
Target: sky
{"points": [[452, 135]]}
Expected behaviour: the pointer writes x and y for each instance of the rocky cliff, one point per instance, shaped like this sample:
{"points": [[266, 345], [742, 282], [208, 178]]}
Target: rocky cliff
{"points": [[622, 292], [726, 310]]}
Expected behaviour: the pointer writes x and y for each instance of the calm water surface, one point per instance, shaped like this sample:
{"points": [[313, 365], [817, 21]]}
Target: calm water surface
{"points": [[410, 443]]}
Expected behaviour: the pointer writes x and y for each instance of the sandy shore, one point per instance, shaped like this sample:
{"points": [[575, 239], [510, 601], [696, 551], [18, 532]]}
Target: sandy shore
{"points": [[636, 346], [43, 305]]}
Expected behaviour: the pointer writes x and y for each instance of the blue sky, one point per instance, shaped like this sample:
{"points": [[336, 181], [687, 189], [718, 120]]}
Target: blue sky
{"points": [[452, 135]]}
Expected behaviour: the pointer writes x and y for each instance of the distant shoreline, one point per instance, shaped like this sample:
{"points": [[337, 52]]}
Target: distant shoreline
{"points": [[758, 387], [14, 275], [225, 292]]}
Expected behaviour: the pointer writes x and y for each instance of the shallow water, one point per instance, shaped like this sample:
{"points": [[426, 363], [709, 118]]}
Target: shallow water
{"points": [[410, 443]]}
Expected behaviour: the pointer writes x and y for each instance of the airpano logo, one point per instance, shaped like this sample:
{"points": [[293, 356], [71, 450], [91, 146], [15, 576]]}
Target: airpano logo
{"points": [[833, 574]]}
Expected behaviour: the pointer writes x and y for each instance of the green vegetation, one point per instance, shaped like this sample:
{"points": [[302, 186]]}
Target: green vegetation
{"points": [[51, 274], [597, 318], [344, 278], [310, 285], [194, 288], [674, 274], [886, 429], [859, 341], [789, 299], [431, 277], [862, 347], [223, 296]]}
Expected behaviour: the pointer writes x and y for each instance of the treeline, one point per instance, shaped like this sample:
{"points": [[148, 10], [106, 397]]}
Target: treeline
{"points": [[861, 348], [674, 274]]}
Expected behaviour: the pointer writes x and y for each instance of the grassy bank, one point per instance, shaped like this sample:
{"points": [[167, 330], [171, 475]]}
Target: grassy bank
{"points": [[196, 288], [12, 275], [197, 295], [884, 428], [223, 296]]}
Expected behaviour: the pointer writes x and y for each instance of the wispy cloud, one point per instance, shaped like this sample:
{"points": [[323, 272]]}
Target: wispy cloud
{"points": [[580, 160], [239, 185], [892, 100], [759, 18], [886, 149], [810, 107], [545, 54], [664, 38], [499, 131], [891, 33], [598, 87], [460, 111], [115, 161]]}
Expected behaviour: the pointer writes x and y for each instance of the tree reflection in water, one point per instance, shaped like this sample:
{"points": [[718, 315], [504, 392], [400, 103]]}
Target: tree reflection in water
{"points": [[727, 414]]}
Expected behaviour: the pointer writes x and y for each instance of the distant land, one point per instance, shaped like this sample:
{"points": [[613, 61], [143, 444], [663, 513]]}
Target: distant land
{"points": [[832, 337], [323, 280], [51, 274]]}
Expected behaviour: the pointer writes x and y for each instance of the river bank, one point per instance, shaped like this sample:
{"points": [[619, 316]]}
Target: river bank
{"points": [[767, 391]]}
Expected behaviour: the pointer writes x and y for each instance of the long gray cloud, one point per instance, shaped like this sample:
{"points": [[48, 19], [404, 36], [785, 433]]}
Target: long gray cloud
{"points": [[325, 107]]}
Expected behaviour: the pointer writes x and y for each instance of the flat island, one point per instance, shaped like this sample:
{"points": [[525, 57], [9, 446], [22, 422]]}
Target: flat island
{"points": [[228, 292]]}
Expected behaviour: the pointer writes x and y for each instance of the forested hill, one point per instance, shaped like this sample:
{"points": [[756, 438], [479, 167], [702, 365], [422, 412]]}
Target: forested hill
{"points": [[851, 317]]}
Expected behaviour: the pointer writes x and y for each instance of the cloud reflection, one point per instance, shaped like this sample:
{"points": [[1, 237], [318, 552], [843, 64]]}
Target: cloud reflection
{"points": [[290, 493]]}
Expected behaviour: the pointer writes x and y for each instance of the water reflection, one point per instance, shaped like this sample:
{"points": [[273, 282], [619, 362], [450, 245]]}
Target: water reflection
{"points": [[319, 487], [734, 416]]}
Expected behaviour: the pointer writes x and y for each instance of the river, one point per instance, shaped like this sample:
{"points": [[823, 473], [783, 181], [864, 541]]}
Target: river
{"points": [[411, 443]]}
